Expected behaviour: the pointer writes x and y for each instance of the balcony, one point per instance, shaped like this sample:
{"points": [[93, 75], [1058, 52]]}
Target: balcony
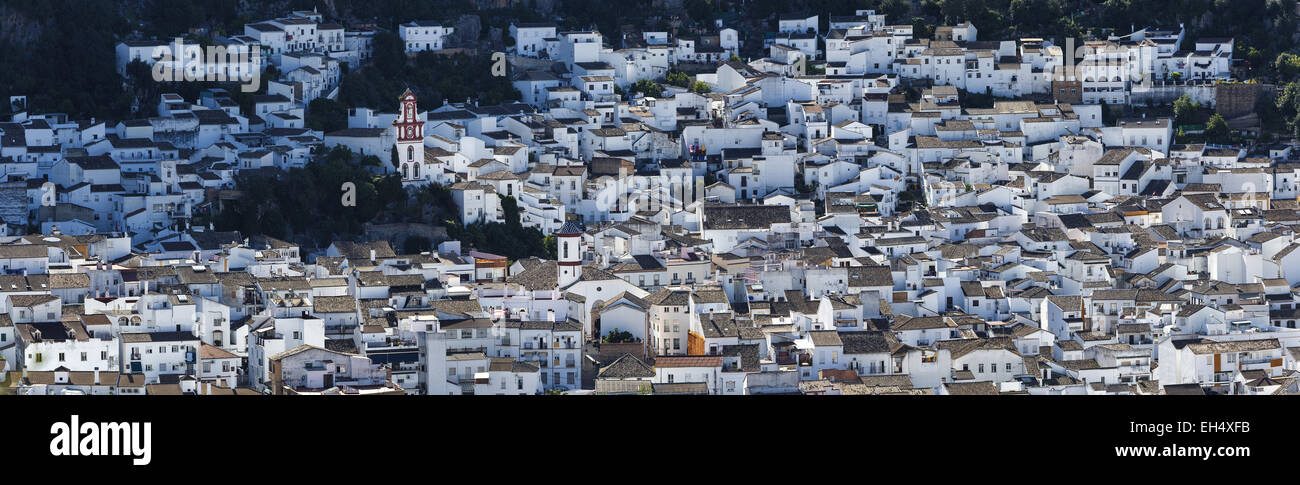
{"points": [[785, 358], [1141, 369], [1256, 364]]}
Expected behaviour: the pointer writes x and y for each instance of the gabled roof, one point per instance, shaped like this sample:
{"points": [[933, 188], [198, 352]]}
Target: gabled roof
{"points": [[626, 367]]}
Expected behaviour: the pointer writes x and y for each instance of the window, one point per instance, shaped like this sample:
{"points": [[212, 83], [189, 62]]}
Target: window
{"points": [[981, 368], [60, 356]]}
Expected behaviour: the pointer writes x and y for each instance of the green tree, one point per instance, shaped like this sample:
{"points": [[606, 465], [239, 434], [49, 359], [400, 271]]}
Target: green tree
{"points": [[432, 77], [922, 28], [1185, 110], [1287, 64], [678, 78], [510, 210], [1107, 115], [1253, 56], [616, 336], [326, 115], [60, 54], [701, 11], [389, 54], [1032, 16], [416, 244], [314, 210], [895, 9], [701, 87], [648, 88], [549, 246], [1217, 128]]}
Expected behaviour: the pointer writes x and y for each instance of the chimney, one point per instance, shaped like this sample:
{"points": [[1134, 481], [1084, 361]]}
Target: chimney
{"points": [[372, 256]]}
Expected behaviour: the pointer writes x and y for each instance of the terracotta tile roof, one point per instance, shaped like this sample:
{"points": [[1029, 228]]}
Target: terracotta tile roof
{"points": [[667, 361]]}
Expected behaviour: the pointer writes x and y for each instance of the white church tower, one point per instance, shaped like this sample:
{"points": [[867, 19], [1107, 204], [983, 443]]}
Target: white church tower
{"points": [[568, 245], [410, 139]]}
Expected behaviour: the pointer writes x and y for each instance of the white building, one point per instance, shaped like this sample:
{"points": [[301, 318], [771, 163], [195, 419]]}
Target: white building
{"points": [[424, 35]]}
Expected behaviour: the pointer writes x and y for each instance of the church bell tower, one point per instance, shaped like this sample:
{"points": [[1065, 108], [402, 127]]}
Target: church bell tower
{"points": [[410, 139]]}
